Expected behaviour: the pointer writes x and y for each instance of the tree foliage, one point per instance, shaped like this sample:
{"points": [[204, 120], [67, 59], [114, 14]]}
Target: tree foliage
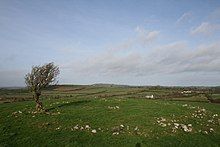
{"points": [[39, 78]]}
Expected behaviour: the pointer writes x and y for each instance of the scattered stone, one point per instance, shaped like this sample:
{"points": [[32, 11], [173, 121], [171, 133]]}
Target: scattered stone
{"points": [[136, 128], [94, 131], [185, 128], [173, 130], [163, 119], [189, 130], [203, 110], [115, 133], [185, 105], [76, 127], [211, 130], [87, 127], [127, 127], [215, 115], [117, 107], [163, 124], [210, 121], [176, 124], [189, 125], [112, 107]]}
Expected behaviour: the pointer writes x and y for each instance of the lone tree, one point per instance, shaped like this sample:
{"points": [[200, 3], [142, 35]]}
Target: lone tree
{"points": [[39, 78]]}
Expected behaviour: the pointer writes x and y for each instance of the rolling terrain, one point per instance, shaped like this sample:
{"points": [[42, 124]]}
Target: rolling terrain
{"points": [[111, 115]]}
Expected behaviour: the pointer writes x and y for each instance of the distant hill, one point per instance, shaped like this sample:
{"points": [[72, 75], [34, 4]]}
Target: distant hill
{"points": [[109, 85], [12, 88]]}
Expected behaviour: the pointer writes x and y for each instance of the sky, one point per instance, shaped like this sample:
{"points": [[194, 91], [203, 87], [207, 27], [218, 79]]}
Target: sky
{"points": [[144, 42]]}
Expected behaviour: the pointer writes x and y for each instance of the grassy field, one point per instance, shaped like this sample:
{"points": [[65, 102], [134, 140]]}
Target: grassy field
{"points": [[108, 116]]}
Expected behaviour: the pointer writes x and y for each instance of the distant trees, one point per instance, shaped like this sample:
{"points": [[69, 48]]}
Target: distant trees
{"points": [[208, 95], [39, 78]]}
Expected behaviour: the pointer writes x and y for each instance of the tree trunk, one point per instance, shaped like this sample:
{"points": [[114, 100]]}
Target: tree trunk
{"points": [[39, 105]]}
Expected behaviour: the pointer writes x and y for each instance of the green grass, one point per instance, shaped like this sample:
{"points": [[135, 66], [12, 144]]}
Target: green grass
{"points": [[216, 96], [56, 128]]}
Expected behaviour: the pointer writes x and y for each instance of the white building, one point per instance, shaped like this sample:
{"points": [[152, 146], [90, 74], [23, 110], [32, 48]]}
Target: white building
{"points": [[186, 92], [149, 96]]}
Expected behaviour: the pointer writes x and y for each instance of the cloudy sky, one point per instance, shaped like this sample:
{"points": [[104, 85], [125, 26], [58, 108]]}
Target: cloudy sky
{"points": [[158, 42]]}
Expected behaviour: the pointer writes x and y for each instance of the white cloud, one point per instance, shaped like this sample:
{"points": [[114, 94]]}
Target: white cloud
{"points": [[171, 58], [142, 37], [127, 44], [149, 37], [186, 17], [109, 62], [145, 36], [205, 28]]}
